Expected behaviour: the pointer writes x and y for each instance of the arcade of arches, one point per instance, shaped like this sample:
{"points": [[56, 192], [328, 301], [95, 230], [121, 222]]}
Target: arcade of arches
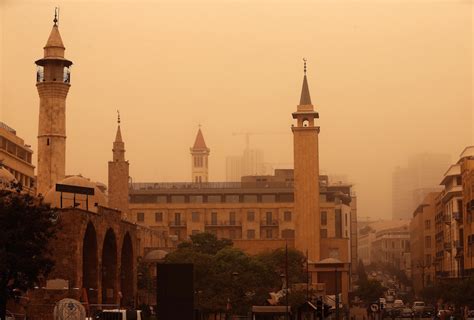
{"points": [[98, 256]]}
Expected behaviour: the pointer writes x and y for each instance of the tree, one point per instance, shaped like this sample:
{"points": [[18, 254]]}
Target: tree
{"points": [[370, 290], [206, 242], [26, 227]]}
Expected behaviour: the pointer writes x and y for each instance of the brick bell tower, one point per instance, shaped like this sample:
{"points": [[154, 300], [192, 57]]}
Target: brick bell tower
{"points": [[53, 82], [306, 175], [199, 159], [118, 174]]}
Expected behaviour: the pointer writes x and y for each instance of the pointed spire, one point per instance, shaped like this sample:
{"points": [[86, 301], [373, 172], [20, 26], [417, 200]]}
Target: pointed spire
{"points": [[305, 97], [199, 143]]}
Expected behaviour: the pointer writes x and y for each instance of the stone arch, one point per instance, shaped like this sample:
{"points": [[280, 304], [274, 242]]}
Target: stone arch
{"points": [[90, 262], [109, 268], [126, 271]]}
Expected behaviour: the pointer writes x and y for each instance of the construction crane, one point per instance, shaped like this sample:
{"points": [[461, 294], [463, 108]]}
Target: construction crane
{"points": [[247, 135]]}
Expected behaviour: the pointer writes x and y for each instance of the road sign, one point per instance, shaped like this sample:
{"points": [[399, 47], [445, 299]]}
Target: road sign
{"points": [[374, 307]]}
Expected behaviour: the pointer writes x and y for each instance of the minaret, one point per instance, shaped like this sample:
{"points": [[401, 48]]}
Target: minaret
{"points": [[118, 175], [306, 175], [199, 159], [53, 82]]}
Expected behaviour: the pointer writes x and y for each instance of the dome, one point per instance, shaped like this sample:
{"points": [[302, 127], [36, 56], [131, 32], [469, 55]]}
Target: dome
{"points": [[84, 202], [5, 178], [155, 255]]}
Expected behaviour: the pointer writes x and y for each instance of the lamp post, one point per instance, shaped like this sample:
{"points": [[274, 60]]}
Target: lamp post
{"points": [[336, 293]]}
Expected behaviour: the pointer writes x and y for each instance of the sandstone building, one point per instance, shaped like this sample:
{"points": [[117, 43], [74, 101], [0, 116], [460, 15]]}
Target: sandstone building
{"points": [[15, 156]]}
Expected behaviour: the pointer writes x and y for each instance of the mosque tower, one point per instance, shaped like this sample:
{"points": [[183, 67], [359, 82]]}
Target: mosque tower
{"points": [[118, 175], [199, 155], [306, 175], [52, 82]]}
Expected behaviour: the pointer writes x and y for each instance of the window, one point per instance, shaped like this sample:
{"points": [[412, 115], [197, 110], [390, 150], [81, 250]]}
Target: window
{"points": [[158, 216], [428, 242], [195, 216], [195, 199], [427, 224], [324, 233], [232, 198], [232, 219], [269, 233], [288, 234], [324, 218], [232, 233], [214, 218], [428, 259], [287, 215], [140, 216], [268, 217], [250, 198], [250, 216], [345, 220], [338, 223], [213, 199], [250, 234], [177, 218], [268, 198]]}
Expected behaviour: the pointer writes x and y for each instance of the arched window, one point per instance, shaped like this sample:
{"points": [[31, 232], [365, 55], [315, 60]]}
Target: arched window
{"points": [[305, 122]]}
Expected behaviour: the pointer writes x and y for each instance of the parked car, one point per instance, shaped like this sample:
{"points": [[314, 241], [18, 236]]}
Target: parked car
{"points": [[418, 306], [406, 313], [398, 303], [446, 313], [119, 314]]}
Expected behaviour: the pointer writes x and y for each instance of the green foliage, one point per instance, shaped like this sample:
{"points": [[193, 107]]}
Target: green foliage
{"points": [[224, 273], [206, 243], [26, 227], [370, 290]]}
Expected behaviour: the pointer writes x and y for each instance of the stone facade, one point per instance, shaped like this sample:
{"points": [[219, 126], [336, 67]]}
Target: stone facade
{"points": [[53, 82], [16, 157], [422, 240], [96, 255]]}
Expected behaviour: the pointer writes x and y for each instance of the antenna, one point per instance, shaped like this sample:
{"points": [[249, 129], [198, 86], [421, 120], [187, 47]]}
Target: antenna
{"points": [[118, 117], [304, 60]]}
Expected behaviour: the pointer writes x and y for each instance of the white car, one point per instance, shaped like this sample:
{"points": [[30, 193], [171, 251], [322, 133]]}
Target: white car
{"points": [[398, 303], [418, 306], [119, 314]]}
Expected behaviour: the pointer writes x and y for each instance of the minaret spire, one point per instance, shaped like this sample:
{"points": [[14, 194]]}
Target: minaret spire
{"points": [[305, 96]]}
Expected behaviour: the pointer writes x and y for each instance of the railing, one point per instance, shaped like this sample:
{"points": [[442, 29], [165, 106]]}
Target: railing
{"points": [[223, 223], [458, 244], [178, 224], [269, 223], [447, 246], [457, 216]]}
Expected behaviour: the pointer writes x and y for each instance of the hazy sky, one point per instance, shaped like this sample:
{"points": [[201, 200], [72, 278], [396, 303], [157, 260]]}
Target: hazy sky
{"points": [[389, 79]]}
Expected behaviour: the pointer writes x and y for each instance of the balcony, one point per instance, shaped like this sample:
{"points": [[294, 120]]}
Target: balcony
{"points": [[178, 224], [223, 223], [269, 223], [457, 216], [447, 246], [458, 244], [447, 219]]}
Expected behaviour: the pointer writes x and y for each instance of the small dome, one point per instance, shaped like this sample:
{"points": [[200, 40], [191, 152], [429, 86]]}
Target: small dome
{"points": [[155, 255], [84, 202], [5, 178]]}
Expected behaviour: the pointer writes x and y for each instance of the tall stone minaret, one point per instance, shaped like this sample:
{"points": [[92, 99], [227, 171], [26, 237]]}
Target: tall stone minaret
{"points": [[118, 175], [199, 160], [53, 82], [306, 162]]}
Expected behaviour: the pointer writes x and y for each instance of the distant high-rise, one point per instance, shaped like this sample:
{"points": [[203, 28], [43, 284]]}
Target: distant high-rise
{"points": [[233, 168], [412, 183]]}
